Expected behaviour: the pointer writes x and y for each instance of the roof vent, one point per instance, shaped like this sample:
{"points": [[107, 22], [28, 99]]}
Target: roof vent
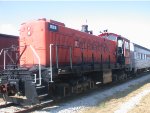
{"points": [[44, 19], [85, 29]]}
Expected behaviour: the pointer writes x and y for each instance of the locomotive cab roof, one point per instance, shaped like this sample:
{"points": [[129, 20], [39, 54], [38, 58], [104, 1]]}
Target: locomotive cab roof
{"points": [[112, 36]]}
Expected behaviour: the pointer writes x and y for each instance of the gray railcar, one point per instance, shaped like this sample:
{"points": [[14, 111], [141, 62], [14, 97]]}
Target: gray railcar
{"points": [[140, 58]]}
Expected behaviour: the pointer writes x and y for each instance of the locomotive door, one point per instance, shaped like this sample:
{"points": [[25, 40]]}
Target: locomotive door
{"points": [[127, 51], [120, 51]]}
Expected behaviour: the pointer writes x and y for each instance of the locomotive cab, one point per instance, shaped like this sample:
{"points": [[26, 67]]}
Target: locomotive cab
{"points": [[122, 47], [120, 51], [123, 51]]}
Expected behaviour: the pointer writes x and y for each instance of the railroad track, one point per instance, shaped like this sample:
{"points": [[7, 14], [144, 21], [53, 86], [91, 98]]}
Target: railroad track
{"points": [[6, 105], [24, 109]]}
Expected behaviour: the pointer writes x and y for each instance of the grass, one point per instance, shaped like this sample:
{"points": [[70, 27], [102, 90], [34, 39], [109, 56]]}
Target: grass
{"points": [[102, 105]]}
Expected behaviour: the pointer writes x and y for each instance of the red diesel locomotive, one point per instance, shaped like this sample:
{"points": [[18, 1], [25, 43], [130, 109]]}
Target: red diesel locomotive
{"points": [[57, 61]]}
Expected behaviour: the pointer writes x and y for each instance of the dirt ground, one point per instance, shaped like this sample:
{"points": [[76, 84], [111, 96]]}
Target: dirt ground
{"points": [[111, 104], [1, 100], [143, 106]]}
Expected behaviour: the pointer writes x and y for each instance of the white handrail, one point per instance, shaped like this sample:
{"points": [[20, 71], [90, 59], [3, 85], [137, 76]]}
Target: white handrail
{"points": [[4, 59], [1, 51], [39, 61], [51, 62], [34, 78]]}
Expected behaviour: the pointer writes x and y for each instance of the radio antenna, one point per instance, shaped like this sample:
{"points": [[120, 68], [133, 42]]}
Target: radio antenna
{"points": [[86, 21]]}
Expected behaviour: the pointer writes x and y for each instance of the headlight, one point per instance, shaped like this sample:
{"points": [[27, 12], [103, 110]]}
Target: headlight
{"points": [[29, 33]]}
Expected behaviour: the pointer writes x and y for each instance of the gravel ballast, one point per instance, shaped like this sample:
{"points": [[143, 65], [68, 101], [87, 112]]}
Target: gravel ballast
{"points": [[94, 99]]}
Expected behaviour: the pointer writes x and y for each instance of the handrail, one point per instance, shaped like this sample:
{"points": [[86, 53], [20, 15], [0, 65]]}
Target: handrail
{"points": [[57, 62], [1, 51], [51, 62], [39, 61], [4, 59], [70, 57], [34, 78], [57, 56], [5, 52]]}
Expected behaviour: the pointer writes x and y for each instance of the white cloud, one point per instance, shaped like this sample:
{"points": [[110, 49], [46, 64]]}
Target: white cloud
{"points": [[9, 29]]}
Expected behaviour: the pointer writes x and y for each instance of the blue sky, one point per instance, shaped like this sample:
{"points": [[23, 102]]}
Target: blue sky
{"points": [[129, 19]]}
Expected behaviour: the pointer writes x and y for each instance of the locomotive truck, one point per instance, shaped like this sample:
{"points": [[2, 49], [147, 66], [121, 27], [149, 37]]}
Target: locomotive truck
{"points": [[57, 61]]}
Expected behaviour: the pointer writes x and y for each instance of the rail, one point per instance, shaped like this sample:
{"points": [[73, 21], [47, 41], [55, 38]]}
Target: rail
{"points": [[57, 58], [34, 78], [4, 59], [39, 61], [2, 50], [35, 53], [70, 57], [5, 51], [51, 74]]}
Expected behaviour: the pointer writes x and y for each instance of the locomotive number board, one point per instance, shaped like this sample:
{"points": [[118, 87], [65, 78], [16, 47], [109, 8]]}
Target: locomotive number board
{"points": [[53, 27]]}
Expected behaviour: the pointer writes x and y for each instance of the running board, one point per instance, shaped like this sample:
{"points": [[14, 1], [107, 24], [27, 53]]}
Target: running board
{"points": [[45, 102], [40, 87], [44, 95]]}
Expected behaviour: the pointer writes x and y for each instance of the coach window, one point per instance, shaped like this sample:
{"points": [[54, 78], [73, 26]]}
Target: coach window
{"points": [[143, 56], [138, 55], [135, 55]]}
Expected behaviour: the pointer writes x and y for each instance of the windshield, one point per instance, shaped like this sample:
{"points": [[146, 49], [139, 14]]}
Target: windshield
{"points": [[120, 43]]}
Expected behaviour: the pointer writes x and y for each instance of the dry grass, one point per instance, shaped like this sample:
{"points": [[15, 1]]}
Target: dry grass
{"points": [[143, 106], [111, 104]]}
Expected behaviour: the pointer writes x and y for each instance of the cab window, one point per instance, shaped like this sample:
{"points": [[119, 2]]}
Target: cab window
{"points": [[126, 45]]}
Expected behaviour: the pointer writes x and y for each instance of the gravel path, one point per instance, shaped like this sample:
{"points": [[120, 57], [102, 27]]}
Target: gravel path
{"points": [[93, 99]]}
